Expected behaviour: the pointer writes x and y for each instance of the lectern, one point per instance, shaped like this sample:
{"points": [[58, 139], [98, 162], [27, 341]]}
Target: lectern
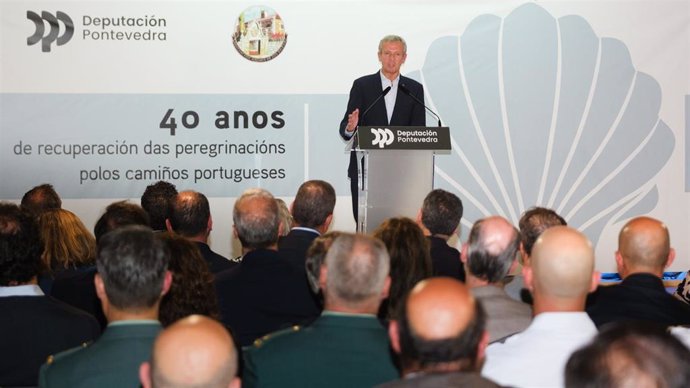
{"points": [[396, 170]]}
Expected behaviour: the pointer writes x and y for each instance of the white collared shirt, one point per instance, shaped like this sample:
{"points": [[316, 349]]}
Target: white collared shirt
{"points": [[23, 290], [392, 94]]}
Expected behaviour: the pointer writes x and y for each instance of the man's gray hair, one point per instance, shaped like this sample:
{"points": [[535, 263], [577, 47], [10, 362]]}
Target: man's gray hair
{"points": [[357, 268], [489, 262], [391, 39], [257, 220]]}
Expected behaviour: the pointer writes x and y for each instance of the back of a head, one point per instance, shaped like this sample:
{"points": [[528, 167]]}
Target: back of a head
{"points": [[441, 212], [189, 214], [40, 198], [285, 217], [441, 327], [256, 219], [193, 352], [67, 242], [630, 356], [644, 244], [156, 200], [20, 246], [410, 260], [534, 222], [491, 248], [357, 267], [562, 264], [132, 263], [313, 203], [119, 214], [316, 256]]}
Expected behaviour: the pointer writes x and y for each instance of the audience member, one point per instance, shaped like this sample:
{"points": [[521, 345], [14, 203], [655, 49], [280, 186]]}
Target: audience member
{"points": [[532, 224], [190, 217], [157, 200], [68, 247], [440, 219], [285, 217], [78, 289], [33, 325], [560, 275], [191, 291], [265, 293], [194, 352], [489, 254], [316, 255], [346, 346], [40, 198], [644, 251], [441, 337], [409, 260], [630, 355], [132, 277], [312, 212]]}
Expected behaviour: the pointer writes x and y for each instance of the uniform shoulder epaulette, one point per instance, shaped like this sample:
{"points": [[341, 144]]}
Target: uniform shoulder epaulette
{"points": [[53, 358], [260, 341]]}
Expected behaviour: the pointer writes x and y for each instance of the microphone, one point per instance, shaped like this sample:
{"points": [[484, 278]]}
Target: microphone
{"points": [[418, 101], [383, 94]]}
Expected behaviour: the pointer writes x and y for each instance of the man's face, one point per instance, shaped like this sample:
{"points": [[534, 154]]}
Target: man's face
{"points": [[392, 57]]}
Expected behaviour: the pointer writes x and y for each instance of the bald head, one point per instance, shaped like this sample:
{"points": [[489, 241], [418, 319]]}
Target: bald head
{"points": [[562, 264], [190, 213], [193, 352], [491, 249], [441, 327], [644, 245]]}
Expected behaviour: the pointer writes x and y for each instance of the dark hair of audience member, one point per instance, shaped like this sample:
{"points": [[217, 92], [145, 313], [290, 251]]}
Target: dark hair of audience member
{"points": [[191, 291], [67, 242], [156, 200], [410, 260], [441, 212], [316, 257], [190, 213], [40, 198], [285, 217], [462, 348], [628, 354], [534, 222], [20, 246], [132, 264], [119, 214], [313, 203]]}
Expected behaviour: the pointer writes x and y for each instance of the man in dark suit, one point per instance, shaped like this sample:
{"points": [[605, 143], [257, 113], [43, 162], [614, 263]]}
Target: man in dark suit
{"points": [[32, 325], [644, 251], [190, 217], [312, 212], [396, 108], [132, 278], [441, 337], [439, 219], [346, 346], [265, 292]]}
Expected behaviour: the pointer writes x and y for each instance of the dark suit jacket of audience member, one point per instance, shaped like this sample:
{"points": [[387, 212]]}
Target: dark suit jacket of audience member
{"points": [[35, 327], [639, 297], [216, 262], [79, 291], [263, 294], [440, 379], [294, 246], [445, 260]]}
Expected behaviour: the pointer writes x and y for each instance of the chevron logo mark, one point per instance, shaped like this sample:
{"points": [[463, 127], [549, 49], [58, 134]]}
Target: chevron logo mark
{"points": [[382, 137], [54, 31]]}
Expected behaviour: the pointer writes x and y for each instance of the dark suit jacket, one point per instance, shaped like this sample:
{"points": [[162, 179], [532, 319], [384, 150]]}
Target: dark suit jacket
{"points": [[294, 246], [35, 327], [216, 262], [365, 90], [639, 297], [445, 260], [263, 294], [443, 380], [335, 351], [112, 361], [78, 290]]}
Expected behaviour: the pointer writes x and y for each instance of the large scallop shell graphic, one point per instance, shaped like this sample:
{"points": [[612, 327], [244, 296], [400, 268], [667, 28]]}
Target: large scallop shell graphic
{"points": [[544, 112]]}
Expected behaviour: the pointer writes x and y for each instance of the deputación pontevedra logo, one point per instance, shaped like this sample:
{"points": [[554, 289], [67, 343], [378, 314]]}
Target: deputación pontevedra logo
{"points": [[53, 31]]}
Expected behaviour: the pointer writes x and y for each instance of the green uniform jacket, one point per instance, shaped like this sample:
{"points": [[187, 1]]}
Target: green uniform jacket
{"points": [[112, 361], [337, 350]]}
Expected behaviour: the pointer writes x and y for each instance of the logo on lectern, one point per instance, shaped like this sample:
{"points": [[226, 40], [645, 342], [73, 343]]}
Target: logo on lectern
{"points": [[382, 137], [54, 31]]}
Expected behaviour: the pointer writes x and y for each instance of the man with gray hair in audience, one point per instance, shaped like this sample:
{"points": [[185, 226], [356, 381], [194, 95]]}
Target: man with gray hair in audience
{"points": [[265, 293], [489, 254], [346, 346]]}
